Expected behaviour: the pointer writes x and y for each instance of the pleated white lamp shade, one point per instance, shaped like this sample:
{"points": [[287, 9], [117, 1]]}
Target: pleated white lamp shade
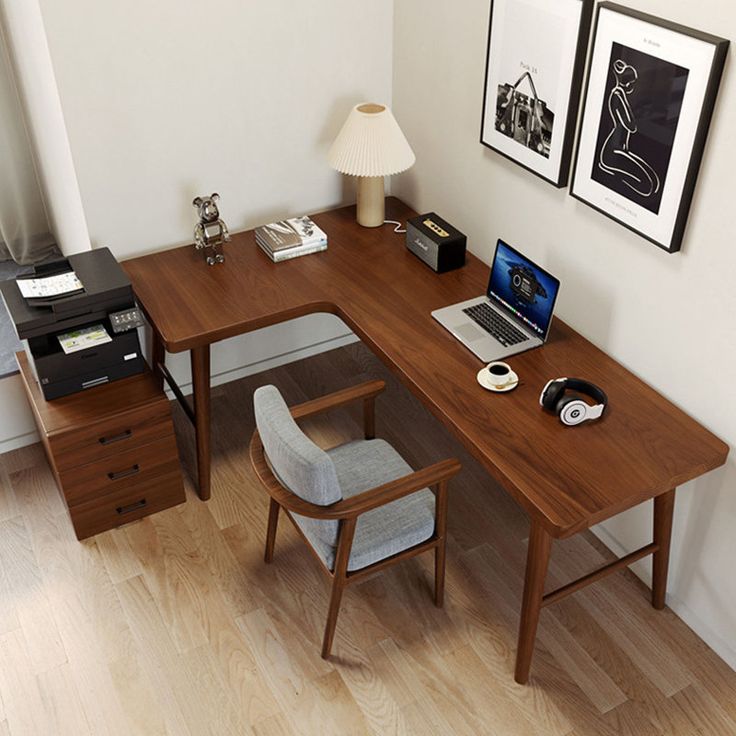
{"points": [[370, 146]]}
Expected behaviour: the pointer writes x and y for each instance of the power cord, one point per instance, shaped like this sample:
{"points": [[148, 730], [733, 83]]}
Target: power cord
{"points": [[398, 228]]}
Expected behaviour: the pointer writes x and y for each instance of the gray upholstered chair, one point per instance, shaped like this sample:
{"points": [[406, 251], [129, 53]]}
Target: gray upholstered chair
{"points": [[359, 506]]}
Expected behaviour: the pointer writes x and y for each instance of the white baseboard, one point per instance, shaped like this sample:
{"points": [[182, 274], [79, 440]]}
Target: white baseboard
{"points": [[723, 648], [15, 443]]}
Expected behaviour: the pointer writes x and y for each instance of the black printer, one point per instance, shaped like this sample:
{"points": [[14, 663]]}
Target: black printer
{"points": [[105, 301]]}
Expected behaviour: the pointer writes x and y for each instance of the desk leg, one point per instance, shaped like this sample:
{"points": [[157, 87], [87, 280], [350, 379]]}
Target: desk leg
{"points": [[201, 383], [664, 507], [537, 559], [158, 356]]}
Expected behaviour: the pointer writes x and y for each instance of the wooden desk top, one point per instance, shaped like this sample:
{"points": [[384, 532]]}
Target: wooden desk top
{"points": [[567, 478]]}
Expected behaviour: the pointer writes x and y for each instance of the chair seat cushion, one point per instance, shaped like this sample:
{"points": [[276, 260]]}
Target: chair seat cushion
{"points": [[384, 531]]}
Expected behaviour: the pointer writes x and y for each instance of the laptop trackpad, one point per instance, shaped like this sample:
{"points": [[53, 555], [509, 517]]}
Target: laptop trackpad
{"points": [[469, 332]]}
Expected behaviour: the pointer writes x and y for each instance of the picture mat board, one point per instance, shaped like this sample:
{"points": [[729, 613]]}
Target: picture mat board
{"points": [[533, 34], [689, 52]]}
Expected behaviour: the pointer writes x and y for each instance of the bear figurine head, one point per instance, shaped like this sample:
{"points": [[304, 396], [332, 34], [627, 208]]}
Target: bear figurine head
{"points": [[206, 207]]}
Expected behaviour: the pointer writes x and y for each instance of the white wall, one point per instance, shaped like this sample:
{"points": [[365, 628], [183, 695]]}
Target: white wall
{"points": [[170, 99], [668, 318]]}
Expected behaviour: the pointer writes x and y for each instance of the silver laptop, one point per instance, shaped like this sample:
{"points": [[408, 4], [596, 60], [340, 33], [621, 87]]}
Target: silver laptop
{"points": [[515, 314]]}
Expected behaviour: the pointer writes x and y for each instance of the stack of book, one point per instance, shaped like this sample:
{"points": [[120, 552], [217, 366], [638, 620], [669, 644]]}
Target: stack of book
{"points": [[286, 239]]}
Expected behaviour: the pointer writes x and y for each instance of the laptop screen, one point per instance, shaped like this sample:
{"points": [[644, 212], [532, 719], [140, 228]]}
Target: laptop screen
{"points": [[520, 287]]}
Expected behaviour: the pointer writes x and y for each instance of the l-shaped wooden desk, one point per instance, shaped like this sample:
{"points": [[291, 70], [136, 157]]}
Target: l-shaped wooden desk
{"points": [[567, 479]]}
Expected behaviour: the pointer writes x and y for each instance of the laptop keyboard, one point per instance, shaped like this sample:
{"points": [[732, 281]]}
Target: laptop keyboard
{"points": [[493, 323]]}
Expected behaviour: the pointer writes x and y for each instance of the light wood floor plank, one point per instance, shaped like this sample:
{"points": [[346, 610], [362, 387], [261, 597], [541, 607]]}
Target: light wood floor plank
{"points": [[121, 561], [292, 689], [274, 726], [446, 706], [9, 620], [231, 659], [163, 559], [23, 704], [64, 712], [88, 617], [159, 656], [380, 712], [174, 626], [209, 708], [8, 504], [137, 694], [25, 588]]}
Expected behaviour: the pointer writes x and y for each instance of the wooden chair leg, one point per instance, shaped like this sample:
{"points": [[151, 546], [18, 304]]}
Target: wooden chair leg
{"points": [[664, 507], [537, 559], [369, 418], [273, 520], [441, 549], [439, 574], [339, 581]]}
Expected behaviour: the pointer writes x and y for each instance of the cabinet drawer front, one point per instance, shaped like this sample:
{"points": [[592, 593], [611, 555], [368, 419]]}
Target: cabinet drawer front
{"points": [[106, 439], [121, 470], [151, 494]]}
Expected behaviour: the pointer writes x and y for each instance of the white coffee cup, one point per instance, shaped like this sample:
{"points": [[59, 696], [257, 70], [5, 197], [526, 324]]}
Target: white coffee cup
{"points": [[499, 374]]}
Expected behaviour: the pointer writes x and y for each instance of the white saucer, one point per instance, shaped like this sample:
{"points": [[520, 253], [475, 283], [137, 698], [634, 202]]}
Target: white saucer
{"points": [[484, 381]]}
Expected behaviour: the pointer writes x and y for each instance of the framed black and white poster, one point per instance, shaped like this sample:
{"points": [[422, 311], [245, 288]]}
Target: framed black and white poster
{"points": [[534, 71], [649, 99]]}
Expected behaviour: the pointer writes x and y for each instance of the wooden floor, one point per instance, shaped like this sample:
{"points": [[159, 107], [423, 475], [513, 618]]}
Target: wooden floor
{"points": [[173, 624]]}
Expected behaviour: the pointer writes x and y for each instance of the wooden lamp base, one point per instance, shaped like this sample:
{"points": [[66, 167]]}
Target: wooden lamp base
{"points": [[371, 202]]}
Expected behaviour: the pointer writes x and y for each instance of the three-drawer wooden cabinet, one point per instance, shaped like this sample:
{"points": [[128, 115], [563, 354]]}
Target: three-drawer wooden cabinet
{"points": [[112, 449]]}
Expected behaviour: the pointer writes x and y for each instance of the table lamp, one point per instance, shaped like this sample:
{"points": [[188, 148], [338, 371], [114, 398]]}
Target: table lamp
{"points": [[370, 146]]}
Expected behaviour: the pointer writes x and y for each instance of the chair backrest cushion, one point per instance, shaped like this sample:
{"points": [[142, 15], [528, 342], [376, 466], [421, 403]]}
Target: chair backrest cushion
{"points": [[303, 467]]}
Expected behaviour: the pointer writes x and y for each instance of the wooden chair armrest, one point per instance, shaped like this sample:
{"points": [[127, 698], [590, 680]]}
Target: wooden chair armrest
{"points": [[350, 507], [440, 472], [363, 391]]}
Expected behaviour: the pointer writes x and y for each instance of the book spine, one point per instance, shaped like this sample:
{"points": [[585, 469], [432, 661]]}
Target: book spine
{"points": [[286, 255], [301, 250]]}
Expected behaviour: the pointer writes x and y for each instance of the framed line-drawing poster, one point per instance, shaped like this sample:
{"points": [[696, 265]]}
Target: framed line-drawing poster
{"points": [[534, 70], [650, 95]]}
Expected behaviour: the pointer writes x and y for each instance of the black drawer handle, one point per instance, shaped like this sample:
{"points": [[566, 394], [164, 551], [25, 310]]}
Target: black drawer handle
{"points": [[124, 473], [131, 507], [116, 437]]}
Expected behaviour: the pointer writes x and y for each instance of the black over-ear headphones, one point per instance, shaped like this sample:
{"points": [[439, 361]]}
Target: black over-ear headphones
{"points": [[570, 408]]}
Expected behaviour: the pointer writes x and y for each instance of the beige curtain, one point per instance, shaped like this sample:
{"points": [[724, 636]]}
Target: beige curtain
{"points": [[24, 228]]}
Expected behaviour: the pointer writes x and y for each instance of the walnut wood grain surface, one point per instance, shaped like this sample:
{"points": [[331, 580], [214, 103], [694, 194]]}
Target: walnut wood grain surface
{"points": [[567, 479]]}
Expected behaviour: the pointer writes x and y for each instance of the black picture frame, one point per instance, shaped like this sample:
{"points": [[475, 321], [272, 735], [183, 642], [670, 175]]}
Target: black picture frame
{"points": [[561, 143], [641, 171]]}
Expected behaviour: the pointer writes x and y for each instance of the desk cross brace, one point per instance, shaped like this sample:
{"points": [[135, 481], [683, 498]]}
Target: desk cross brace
{"points": [[601, 572], [174, 386]]}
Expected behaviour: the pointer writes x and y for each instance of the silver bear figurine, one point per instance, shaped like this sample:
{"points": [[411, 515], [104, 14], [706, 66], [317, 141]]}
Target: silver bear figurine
{"points": [[210, 231]]}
